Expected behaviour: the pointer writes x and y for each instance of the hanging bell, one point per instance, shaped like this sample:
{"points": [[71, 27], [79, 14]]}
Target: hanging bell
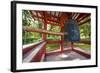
{"points": [[71, 31]]}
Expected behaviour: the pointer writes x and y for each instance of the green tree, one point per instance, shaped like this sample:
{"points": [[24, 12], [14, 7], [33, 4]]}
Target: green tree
{"points": [[53, 29], [85, 30], [27, 20]]}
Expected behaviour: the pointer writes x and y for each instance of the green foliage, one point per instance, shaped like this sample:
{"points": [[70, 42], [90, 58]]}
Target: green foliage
{"points": [[53, 29], [30, 37], [83, 46], [85, 31], [27, 20]]}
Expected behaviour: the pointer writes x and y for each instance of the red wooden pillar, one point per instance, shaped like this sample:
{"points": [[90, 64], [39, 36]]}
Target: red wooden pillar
{"points": [[62, 41], [72, 45], [62, 21], [44, 26], [44, 35]]}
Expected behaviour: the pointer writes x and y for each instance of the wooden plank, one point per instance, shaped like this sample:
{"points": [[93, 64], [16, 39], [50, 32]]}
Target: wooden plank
{"points": [[48, 19], [32, 44], [51, 15], [40, 56], [82, 52], [83, 17], [84, 20], [54, 23], [28, 47], [63, 18], [31, 29], [77, 16], [33, 53]]}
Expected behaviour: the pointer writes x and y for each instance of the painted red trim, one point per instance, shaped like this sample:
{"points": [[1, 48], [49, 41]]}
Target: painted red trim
{"points": [[39, 55], [27, 49], [83, 53], [87, 55]]}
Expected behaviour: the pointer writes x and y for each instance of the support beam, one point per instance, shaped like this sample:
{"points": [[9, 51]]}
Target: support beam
{"points": [[64, 17], [72, 45], [45, 26], [81, 23], [62, 42], [74, 15], [31, 29], [51, 15], [53, 23], [83, 17], [77, 15], [48, 19]]}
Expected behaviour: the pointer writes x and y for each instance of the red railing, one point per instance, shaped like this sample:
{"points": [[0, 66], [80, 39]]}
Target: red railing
{"points": [[34, 52], [28, 47]]}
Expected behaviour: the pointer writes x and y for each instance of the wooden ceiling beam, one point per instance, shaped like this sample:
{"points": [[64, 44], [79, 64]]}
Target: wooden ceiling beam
{"points": [[77, 16], [87, 19], [52, 23], [37, 15], [41, 13], [64, 17], [83, 17], [50, 15], [80, 16], [84, 22], [57, 21], [74, 15]]}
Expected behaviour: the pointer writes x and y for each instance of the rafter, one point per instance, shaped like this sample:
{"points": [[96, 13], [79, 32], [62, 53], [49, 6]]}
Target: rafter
{"points": [[77, 16], [59, 19], [84, 20], [82, 17]]}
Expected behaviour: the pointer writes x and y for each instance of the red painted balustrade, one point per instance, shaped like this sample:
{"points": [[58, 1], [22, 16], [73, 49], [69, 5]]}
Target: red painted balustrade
{"points": [[34, 52]]}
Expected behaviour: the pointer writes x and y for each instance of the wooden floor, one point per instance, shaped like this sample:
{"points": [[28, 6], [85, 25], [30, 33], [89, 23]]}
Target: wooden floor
{"points": [[70, 55]]}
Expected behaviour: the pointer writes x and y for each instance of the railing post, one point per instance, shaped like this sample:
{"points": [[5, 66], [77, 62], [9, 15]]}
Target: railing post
{"points": [[72, 45], [44, 37], [62, 41]]}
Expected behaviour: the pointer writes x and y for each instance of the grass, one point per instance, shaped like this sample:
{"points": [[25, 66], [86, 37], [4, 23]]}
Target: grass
{"points": [[83, 46], [52, 47]]}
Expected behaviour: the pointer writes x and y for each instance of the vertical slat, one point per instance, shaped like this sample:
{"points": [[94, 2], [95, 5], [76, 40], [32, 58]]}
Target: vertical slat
{"points": [[44, 35]]}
